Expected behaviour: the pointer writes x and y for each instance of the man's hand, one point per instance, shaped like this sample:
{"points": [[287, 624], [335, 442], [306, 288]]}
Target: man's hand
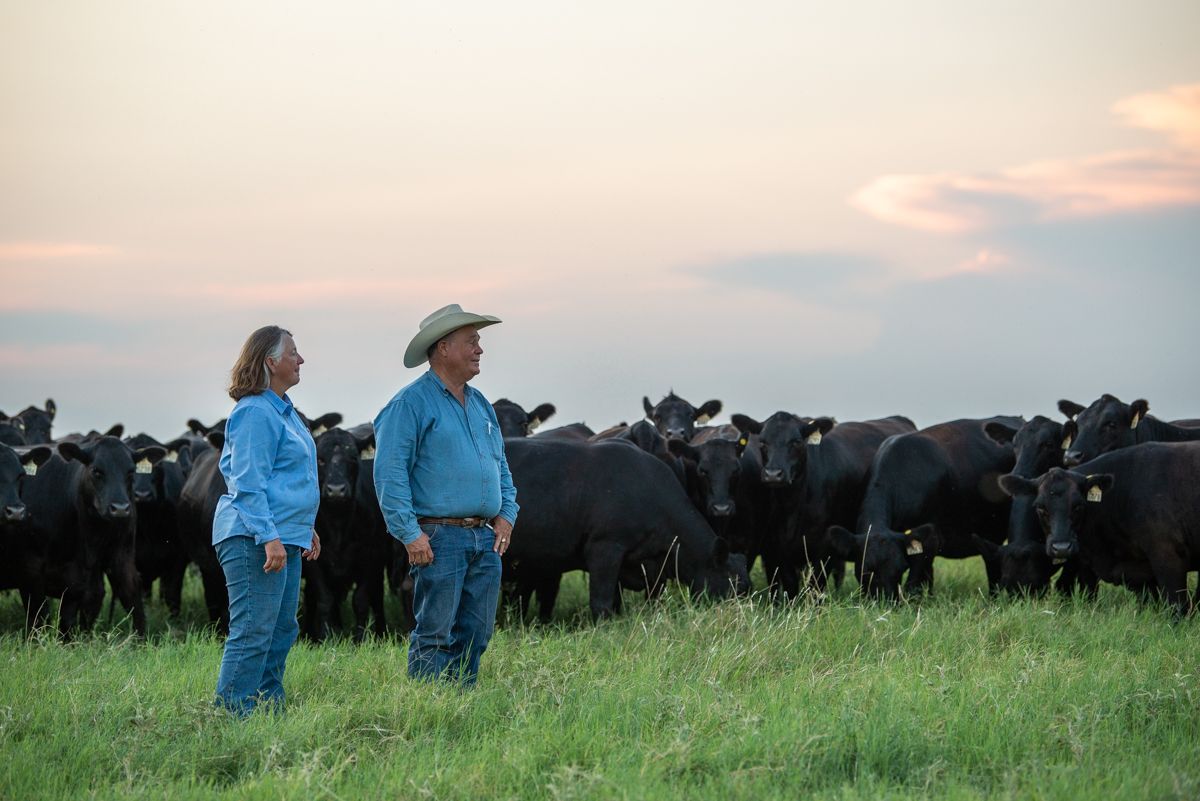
{"points": [[419, 552], [503, 530], [276, 557], [314, 550]]}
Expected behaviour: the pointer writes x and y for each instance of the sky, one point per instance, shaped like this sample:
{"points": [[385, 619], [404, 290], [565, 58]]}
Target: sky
{"points": [[939, 209]]}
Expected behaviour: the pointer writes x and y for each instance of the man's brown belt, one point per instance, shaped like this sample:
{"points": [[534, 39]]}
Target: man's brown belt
{"points": [[461, 522]]}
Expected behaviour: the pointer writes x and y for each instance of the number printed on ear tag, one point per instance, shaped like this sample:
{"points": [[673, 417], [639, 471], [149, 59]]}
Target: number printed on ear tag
{"points": [[144, 467]]}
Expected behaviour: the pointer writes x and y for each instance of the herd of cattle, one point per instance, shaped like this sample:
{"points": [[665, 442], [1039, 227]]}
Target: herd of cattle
{"points": [[1108, 494]]}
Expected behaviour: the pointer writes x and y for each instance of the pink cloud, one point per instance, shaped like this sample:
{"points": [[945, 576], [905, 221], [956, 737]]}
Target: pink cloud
{"points": [[47, 251], [1052, 189]]}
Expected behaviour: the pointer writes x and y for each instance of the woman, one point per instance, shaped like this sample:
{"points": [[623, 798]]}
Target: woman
{"points": [[264, 521]]}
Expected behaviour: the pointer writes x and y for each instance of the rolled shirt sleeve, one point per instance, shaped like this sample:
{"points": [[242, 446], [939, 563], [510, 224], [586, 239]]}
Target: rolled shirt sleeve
{"points": [[253, 436], [396, 431]]}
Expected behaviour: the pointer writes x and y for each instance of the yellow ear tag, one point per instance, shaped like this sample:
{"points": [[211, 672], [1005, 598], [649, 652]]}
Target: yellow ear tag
{"points": [[1066, 443], [1137, 418], [172, 457], [1094, 495], [318, 431], [814, 438], [914, 548], [30, 468], [743, 442], [367, 452], [144, 467]]}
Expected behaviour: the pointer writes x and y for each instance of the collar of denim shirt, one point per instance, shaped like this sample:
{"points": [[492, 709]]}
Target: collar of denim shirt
{"points": [[282, 405], [467, 388]]}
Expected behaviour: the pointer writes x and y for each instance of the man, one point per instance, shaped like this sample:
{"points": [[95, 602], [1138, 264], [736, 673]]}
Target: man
{"points": [[447, 494]]}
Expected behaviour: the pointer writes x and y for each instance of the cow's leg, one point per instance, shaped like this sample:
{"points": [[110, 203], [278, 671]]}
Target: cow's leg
{"points": [[603, 561], [1170, 574], [127, 588], [374, 584], [547, 593], [170, 587]]}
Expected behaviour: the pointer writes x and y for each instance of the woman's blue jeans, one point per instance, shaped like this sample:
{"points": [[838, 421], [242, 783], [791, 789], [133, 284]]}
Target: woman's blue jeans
{"points": [[262, 625], [454, 602]]}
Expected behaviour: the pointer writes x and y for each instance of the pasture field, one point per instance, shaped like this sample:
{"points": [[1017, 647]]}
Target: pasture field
{"points": [[961, 697]]}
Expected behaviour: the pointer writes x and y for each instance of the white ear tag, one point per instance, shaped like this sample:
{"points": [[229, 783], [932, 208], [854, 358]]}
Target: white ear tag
{"points": [[814, 438], [318, 431], [172, 457], [1137, 418], [914, 548], [367, 452], [533, 424], [30, 468], [702, 420], [144, 467], [1094, 495], [1066, 443]]}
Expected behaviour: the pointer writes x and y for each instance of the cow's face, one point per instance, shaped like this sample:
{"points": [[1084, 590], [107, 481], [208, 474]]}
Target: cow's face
{"points": [[784, 443], [675, 418], [516, 422], [1106, 425], [1060, 500], [881, 558], [13, 469], [35, 423], [1024, 567], [109, 470], [1038, 445], [717, 463], [337, 466]]}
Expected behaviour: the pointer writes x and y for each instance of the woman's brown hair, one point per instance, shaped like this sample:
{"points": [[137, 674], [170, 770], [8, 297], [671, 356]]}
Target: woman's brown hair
{"points": [[249, 375]]}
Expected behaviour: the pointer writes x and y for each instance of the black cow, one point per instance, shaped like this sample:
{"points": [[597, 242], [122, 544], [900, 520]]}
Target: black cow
{"points": [[516, 422], [198, 506], [161, 553], [1109, 424], [35, 423], [18, 567], [85, 522], [12, 430], [609, 509], [1132, 516], [355, 546], [675, 418], [817, 474], [646, 437], [576, 432], [927, 492]]}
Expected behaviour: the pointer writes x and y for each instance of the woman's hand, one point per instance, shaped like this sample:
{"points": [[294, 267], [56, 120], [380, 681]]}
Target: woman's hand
{"points": [[276, 557], [314, 550]]}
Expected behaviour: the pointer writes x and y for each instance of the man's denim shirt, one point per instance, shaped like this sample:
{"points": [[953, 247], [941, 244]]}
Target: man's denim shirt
{"points": [[435, 458], [269, 463]]}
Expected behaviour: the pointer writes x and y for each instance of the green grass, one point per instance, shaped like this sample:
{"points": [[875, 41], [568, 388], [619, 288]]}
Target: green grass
{"points": [[959, 697]]}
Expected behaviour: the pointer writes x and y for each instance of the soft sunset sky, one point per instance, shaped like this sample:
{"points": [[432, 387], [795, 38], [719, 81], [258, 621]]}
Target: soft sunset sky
{"points": [[942, 209]]}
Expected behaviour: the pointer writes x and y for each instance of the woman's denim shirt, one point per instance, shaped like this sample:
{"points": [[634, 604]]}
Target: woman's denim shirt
{"points": [[269, 462]]}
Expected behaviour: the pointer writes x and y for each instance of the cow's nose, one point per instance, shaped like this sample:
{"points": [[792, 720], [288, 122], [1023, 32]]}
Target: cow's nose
{"points": [[335, 490], [675, 433], [143, 496], [15, 513], [1059, 550], [772, 475], [721, 509], [119, 509], [1072, 458]]}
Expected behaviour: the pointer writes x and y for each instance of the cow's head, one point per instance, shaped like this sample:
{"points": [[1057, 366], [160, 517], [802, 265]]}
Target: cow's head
{"points": [[721, 573], [881, 557], [784, 440], [1106, 425], [109, 469], [1038, 445], [36, 423], [14, 467], [165, 482], [1061, 501], [675, 418], [516, 422], [1023, 566], [717, 465], [12, 431], [339, 455]]}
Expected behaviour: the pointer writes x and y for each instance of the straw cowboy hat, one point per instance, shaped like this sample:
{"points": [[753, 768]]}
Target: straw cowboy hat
{"points": [[437, 325]]}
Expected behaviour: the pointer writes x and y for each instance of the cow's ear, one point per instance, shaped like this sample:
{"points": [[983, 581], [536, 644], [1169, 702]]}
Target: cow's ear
{"points": [[720, 552], [1140, 408], [1096, 485], [815, 429], [1015, 485], [1070, 431], [647, 406], [843, 543], [683, 450], [1070, 408], [540, 415], [707, 411], [179, 450], [365, 443], [51, 408], [216, 439], [71, 451], [36, 456], [990, 551], [116, 430], [324, 423], [1000, 433], [924, 539], [747, 425], [196, 427]]}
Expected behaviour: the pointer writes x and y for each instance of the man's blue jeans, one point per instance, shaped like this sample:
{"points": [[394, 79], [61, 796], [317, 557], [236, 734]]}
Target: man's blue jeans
{"points": [[262, 625], [454, 602]]}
